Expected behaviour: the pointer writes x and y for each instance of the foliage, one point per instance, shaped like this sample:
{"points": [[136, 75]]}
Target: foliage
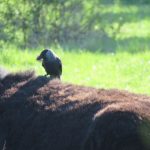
{"points": [[74, 24], [31, 23], [126, 2]]}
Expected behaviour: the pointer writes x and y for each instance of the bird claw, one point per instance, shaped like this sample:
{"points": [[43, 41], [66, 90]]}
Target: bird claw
{"points": [[45, 75]]}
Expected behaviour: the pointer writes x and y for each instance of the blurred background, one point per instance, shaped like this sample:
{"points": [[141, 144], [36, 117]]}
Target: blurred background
{"points": [[102, 43], [98, 25]]}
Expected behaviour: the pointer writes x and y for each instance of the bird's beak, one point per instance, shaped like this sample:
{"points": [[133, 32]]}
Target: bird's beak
{"points": [[39, 57]]}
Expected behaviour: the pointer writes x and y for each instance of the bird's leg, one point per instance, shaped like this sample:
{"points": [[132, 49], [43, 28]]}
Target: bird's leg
{"points": [[51, 77], [45, 75], [58, 77]]}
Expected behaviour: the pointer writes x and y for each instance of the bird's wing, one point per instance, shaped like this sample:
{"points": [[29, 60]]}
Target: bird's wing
{"points": [[43, 64], [59, 65]]}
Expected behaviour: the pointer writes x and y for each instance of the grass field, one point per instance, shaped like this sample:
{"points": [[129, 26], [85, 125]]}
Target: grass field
{"points": [[121, 70]]}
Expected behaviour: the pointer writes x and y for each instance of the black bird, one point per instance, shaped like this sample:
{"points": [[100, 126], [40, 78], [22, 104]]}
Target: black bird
{"points": [[51, 63]]}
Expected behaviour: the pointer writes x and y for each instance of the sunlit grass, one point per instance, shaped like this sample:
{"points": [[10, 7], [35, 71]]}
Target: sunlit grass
{"points": [[135, 18], [120, 8], [140, 29], [121, 70]]}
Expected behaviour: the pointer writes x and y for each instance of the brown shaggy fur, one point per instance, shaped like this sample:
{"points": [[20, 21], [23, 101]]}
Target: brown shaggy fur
{"points": [[41, 114]]}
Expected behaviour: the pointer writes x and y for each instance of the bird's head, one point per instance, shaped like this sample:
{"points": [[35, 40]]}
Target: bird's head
{"points": [[46, 54]]}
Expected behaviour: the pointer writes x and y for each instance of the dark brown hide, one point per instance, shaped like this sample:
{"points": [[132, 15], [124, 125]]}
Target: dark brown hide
{"points": [[37, 113]]}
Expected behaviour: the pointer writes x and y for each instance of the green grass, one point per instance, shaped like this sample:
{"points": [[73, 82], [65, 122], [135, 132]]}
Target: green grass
{"points": [[121, 70]]}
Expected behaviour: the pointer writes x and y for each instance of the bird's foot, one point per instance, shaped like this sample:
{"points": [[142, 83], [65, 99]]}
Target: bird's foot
{"points": [[45, 75]]}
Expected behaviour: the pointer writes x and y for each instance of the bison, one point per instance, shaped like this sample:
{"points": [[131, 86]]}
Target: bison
{"points": [[39, 113]]}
